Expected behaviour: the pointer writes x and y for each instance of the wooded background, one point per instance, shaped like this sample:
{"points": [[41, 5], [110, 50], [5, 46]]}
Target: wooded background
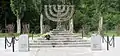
{"points": [[86, 16]]}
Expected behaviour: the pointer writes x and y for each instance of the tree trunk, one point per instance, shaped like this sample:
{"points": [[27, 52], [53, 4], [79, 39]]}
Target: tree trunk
{"points": [[118, 30], [41, 24], [71, 25], [100, 29], [18, 25], [5, 24]]}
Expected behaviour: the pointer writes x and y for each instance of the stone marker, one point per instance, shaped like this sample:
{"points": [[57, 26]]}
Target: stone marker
{"points": [[96, 42], [23, 43]]}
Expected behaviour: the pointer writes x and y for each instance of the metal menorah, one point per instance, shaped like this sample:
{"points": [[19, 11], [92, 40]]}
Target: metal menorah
{"points": [[59, 13]]}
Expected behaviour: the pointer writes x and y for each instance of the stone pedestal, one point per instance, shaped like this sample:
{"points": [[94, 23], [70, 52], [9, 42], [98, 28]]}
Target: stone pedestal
{"points": [[23, 43], [96, 42]]}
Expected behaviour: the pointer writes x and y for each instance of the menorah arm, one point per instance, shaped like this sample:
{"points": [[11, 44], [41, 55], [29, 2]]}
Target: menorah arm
{"points": [[66, 12], [69, 16], [59, 16], [48, 16], [63, 8], [54, 8], [50, 10]]}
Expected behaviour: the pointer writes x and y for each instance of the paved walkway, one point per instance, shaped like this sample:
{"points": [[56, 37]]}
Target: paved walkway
{"points": [[112, 52], [61, 51]]}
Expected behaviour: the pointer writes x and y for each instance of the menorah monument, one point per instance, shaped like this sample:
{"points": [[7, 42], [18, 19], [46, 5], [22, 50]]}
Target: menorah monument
{"points": [[59, 37], [59, 13]]}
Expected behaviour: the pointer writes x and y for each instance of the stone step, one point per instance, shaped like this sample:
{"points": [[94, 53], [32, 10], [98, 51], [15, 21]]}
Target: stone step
{"points": [[57, 43], [60, 41], [64, 38], [58, 30], [60, 33], [50, 46], [50, 39], [66, 32], [68, 36], [60, 38], [64, 35]]}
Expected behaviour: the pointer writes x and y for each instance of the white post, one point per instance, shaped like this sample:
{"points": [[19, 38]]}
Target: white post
{"points": [[100, 29], [41, 23], [71, 25]]}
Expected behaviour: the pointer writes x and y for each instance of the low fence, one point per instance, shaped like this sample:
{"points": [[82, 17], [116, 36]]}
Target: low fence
{"points": [[10, 43], [109, 41]]}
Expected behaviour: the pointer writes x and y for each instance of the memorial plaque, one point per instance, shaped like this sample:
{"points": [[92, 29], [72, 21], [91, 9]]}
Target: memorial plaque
{"points": [[96, 42], [23, 43]]}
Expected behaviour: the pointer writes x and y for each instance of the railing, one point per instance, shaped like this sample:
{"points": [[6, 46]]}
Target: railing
{"points": [[32, 35], [33, 32], [110, 42], [11, 43], [82, 34]]}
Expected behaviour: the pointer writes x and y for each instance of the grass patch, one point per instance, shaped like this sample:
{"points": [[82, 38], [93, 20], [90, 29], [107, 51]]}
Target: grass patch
{"points": [[111, 33], [16, 35], [108, 33], [8, 34]]}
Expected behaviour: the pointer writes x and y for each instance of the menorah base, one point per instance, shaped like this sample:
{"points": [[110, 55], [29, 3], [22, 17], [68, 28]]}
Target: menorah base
{"points": [[61, 28]]}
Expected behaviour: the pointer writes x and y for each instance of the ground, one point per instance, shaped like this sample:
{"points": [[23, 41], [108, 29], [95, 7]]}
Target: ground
{"points": [[61, 51]]}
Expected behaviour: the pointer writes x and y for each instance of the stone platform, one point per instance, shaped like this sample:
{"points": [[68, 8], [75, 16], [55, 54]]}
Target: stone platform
{"points": [[60, 38]]}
